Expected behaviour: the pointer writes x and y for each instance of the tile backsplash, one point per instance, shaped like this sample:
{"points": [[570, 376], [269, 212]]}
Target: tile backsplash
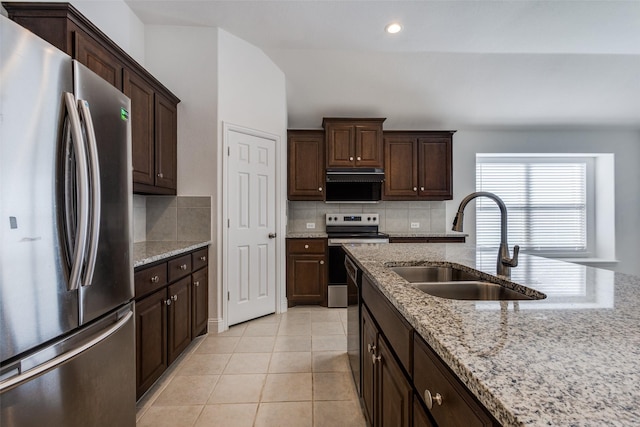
{"points": [[395, 217], [171, 218]]}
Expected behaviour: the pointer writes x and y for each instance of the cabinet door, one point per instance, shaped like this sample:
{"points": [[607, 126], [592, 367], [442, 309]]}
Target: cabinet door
{"points": [[306, 172], [395, 394], [457, 407], [165, 143], [151, 340], [340, 145], [368, 146], [401, 168], [199, 302], [142, 127], [420, 417], [306, 279], [369, 346], [434, 175], [179, 318], [92, 54]]}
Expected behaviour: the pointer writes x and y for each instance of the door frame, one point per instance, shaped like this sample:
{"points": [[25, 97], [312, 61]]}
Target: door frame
{"points": [[223, 229]]}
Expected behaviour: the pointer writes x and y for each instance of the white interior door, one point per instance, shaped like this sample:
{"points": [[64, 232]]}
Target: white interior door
{"points": [[251, 260]]}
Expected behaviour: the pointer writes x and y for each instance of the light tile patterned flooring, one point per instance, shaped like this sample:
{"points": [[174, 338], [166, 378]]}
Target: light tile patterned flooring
{"points": [[282, 370]]}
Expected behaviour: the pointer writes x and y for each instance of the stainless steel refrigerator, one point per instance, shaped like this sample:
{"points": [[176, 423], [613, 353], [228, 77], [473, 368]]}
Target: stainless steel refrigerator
{"points": [[67, 341]]}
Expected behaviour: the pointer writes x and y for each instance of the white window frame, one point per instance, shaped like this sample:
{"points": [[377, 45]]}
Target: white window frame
{"points": [[587, 160]]}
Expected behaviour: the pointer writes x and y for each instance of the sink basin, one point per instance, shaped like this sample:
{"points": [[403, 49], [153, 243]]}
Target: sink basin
{"points": [[452, 283], [470, 290], [425, 273]]}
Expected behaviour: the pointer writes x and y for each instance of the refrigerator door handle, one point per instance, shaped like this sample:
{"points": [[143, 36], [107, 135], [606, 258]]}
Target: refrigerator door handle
{"points": [[17, 380], [82, 193], [94, 189]]}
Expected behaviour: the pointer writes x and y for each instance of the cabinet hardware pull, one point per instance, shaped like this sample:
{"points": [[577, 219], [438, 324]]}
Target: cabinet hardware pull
{"points": [[375, 358], [167, 302], [359, 158], [319, 188], [155, 279], [183, 267], [160, 175], [321, 262], [174, 297], [272, 235], [415, 188], [306, 246], [351, 159], [203, 258], [421, 188], [371, 348], [428, 399], [196, 283]]}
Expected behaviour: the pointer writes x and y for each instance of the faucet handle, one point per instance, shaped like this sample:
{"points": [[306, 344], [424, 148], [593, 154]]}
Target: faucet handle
{"points": [[512, 262]]}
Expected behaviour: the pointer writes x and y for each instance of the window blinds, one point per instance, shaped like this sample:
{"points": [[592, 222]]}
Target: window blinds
{"points": [[546, 202]]}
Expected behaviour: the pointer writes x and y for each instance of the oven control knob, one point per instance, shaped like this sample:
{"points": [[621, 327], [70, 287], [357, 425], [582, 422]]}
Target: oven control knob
{"points": [[329, 219], [335, 218], [369, 218]]}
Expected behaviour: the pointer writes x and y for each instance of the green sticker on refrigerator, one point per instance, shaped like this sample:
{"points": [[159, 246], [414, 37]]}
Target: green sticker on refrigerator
{"points": [[124, 114]]}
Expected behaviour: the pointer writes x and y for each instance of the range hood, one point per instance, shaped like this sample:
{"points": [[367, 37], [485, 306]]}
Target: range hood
{"points": [[354, 185], [355, 175]]}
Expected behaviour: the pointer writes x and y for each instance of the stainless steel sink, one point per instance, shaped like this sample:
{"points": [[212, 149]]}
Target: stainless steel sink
{"points": [[452, 283], [425, 273]]}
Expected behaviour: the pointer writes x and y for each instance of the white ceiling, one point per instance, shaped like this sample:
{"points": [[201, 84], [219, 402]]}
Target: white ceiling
{"points": [[456, 64]]}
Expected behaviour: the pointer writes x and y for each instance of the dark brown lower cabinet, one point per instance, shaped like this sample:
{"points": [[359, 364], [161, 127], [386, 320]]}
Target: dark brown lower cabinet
{"points": [[179, 318], [306, 272], [457, 407], [386, 392], [171, 310], [420, 417], [151, 340], [400, 372], [199, 302]]}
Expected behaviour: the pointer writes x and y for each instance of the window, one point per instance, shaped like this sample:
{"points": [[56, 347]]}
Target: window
{"points": [[549, 202]]}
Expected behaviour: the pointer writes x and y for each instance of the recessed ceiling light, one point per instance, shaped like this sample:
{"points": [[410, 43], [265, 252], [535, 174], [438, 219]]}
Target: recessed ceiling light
{"points": [[393, 28]]}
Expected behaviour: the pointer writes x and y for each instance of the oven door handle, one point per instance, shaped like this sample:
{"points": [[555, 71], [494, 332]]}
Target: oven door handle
{"points": [[352, 270]]}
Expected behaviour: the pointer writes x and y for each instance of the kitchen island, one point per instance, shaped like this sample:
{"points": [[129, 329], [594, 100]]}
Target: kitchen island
{"points": [[568, 359]]}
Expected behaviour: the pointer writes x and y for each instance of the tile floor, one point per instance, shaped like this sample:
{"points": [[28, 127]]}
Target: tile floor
{"points": [[281, 370]]}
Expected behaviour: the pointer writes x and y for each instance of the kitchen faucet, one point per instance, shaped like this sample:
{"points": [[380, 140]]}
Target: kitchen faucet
{"points": [[504, 262]]}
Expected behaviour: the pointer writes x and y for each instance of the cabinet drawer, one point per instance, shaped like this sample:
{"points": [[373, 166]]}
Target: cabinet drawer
{"points": [[458, 407], [150, 279], [316, 246], [179, 267], [200, 258], [396, 330]]}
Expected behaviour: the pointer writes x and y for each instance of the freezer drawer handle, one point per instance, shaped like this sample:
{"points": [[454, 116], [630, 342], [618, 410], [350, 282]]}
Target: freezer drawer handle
{"points": [[57, 361]]}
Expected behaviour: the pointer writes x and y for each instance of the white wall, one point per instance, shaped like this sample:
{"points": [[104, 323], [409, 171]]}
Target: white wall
{"points": [[624, 144], [252, 94], [185, 60]]}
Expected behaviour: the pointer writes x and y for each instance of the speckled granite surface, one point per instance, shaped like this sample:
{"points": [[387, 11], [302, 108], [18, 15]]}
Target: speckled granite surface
{"points": [[148, 252], [311, 235], [571, 359]]}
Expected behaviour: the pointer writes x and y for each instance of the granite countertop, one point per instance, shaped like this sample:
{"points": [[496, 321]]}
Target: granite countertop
{"points": [[323, 234], [569, 359], [148, 252]]}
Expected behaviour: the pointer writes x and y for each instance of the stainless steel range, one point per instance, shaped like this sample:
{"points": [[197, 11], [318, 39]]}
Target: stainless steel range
{"points": [[361, 228]]}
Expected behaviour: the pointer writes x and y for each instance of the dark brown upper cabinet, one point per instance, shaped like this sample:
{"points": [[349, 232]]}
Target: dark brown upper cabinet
{"points": [[418, 165], [305, 171], [153, 106], [353, 142]]}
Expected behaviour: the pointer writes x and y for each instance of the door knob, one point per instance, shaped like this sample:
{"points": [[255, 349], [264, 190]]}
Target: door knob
{"points": [[272, 235]]}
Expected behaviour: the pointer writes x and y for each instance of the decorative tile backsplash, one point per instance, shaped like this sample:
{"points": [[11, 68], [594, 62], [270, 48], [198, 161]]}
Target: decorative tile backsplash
{"points": [[395, 217], [171, 218]]}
